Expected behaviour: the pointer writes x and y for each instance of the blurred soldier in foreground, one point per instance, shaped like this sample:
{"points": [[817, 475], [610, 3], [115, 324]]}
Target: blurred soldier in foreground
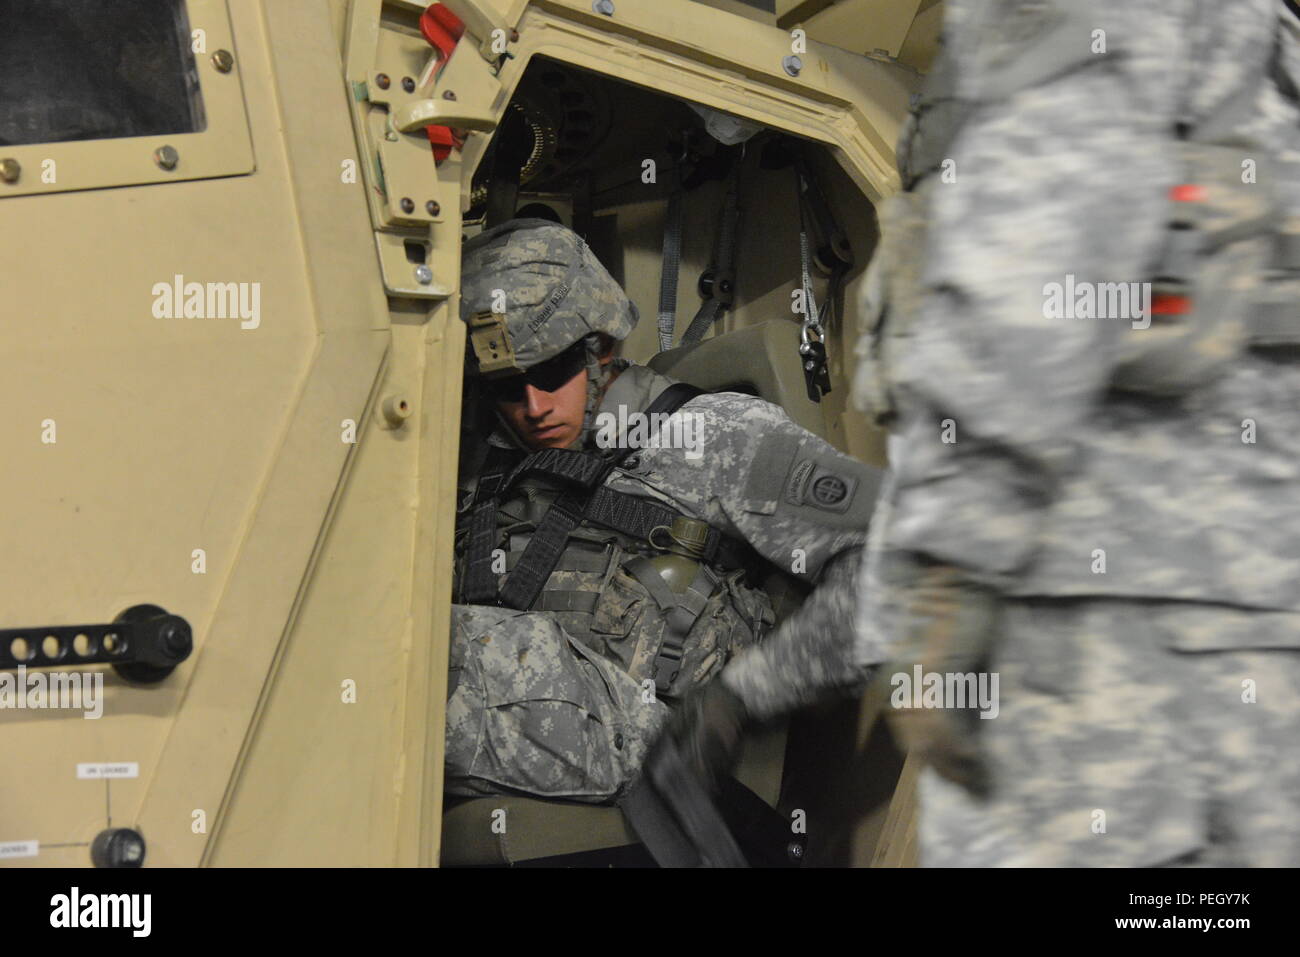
{"points": [[1085, 334], [606, 548]]}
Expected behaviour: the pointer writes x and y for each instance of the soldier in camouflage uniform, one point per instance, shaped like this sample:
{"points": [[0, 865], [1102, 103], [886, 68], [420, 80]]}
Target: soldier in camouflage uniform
{"points": [[1105, 512], [602, 571]]}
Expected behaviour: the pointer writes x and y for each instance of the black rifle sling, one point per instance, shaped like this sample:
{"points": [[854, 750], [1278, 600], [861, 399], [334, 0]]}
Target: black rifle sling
{"points": [[526, 581]]}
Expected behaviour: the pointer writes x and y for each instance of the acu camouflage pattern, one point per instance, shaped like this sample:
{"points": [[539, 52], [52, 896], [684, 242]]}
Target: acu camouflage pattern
{"points": [[1112, 750], [556, 293], [556, 290], [753, 481], [1120, 691], [1051, 462]]}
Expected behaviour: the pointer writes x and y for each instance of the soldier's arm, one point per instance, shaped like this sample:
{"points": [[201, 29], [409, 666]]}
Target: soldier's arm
{"points": [[804, 506], [1062, 181], [812, 654]]}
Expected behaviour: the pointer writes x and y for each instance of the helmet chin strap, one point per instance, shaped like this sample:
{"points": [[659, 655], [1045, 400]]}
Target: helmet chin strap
{"points": [[598, 376]]}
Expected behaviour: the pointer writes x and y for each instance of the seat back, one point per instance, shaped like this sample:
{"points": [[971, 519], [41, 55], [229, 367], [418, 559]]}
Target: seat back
{"points": [[761, 360]]}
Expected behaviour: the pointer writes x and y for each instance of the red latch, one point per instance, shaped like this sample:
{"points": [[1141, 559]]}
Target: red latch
{"points": [[1164, 304], [1187, 193], [443, 29]]}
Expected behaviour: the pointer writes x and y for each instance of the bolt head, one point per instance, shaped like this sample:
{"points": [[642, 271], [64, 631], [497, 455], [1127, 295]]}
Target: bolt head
{"points": [[10, 169], [792, 65], [604, 6], [223, 60], [117, 847], [423, 275], [176, 638], [166, 157]]}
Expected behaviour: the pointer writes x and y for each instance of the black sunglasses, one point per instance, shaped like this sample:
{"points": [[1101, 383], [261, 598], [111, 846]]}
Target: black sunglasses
{"points": [[546, 376]]}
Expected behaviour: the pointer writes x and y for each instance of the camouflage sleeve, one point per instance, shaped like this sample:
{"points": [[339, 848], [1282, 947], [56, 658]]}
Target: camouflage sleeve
{"points": [[804, 506], [796, 499], [757, 476], [811, 655], [1058, 185]]}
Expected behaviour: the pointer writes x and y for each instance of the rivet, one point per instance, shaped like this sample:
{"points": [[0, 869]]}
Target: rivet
{"points": [[408, 204], [408, 84], [792, 65], [223, 61], [449, 94], [382, 81], [423, 274], [10, 169], [604, 6], [432, 208]]}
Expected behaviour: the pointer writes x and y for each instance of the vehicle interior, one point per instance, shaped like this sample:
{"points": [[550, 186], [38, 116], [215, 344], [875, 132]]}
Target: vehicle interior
{"points": [[233, 423], [575, 149]]}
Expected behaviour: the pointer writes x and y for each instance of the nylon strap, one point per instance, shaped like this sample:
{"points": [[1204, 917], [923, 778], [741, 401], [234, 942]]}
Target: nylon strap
{"points": [[479, 585], [524, 584], [570, 466], [669, 269], [811, 316], [724, 262]]}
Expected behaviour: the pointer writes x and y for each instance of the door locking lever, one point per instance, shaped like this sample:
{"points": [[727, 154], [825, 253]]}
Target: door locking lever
{"points": [[143, 644]]}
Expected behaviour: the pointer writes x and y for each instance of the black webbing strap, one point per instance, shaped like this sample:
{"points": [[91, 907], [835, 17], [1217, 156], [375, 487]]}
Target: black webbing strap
{"points": [[583, 469], [479, 585], [525, 583], [638, 517]]}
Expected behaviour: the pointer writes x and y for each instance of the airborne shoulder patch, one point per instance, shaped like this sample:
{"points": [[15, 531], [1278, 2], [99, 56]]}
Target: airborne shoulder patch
{"points": [[820, 485]]}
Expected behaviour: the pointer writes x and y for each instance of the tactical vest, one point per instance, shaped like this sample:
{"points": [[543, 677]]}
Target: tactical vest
{"points": [[663, 595]]}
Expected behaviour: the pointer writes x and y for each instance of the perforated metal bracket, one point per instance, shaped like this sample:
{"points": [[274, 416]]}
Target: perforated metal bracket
{"points": [[143, 644]]}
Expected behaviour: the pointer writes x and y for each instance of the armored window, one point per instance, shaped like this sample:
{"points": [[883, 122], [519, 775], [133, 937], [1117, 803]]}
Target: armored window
{"points": [[87, 70]]}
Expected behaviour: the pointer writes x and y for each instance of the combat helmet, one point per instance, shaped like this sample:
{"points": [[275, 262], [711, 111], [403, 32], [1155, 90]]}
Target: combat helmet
{"points": [[532, 289]]}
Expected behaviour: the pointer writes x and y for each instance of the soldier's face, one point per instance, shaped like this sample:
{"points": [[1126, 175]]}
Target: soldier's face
{"points": [[549, 419]]}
